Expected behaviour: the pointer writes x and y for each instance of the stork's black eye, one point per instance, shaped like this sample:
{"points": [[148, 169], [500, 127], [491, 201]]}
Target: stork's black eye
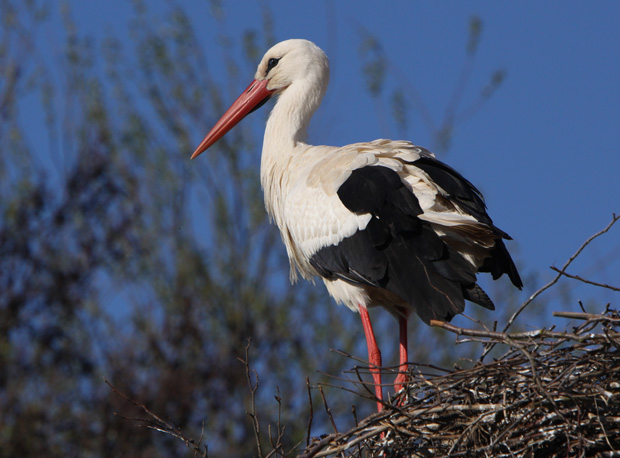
{"points": [[272, 63]]}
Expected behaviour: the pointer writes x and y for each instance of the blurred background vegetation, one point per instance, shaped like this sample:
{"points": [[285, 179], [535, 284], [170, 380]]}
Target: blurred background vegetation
{"points": [[121, 260]]}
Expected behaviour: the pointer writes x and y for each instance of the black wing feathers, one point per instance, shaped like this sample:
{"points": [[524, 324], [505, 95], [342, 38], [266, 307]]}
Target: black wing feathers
{"points": [[467, 196], [397, 251], [366, 190], [401, 253], [499, 262]]}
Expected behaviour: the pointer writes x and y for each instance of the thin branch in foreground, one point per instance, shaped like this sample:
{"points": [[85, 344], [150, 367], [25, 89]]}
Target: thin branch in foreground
{"points": [[311, 414], [159, 424], [253, 389], [327, 409], [586, 316], [276, 445], [614, 219], [528, 336], [589, 282]]}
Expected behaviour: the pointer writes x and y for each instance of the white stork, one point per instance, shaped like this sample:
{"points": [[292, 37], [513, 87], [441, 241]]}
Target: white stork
{"points": [[382, 223]]}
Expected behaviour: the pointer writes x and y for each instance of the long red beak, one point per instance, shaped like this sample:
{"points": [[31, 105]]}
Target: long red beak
{"points": [[252, 98]]}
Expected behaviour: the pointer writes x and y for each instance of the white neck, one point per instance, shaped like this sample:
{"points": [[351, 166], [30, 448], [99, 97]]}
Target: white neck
{"points": [[288, 121], [285, 132]]}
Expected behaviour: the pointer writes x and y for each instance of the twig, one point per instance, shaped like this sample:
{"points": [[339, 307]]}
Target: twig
{"points": [[311, 415], [511, 338], [589, 282], [253, 390], [161, 425], [354, 413], [586, 316], [327, 409], [559, 275], [277, 445], [316, 447]]}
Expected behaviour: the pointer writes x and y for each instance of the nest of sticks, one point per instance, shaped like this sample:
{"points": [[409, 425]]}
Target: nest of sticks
{"points": [[552, 394]]}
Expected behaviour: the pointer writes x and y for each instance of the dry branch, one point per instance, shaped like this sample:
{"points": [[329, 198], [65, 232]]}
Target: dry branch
{"points": [[561, 272], [155, 422]]}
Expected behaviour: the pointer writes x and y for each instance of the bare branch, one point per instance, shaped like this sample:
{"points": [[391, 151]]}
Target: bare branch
{"points": [[511, 338], [585, 316], [589, 282], [277, 444], [327, 409], [159, 424], [253, 389], [311, 414], [557, 277]]}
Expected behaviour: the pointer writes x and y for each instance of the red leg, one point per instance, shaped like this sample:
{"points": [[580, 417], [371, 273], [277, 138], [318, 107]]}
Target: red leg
{"points": [[374, 355], [401, 378]]}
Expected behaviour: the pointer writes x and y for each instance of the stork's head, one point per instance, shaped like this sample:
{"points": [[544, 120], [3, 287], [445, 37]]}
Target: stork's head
{"points": [[292, 61], [289, 63]]}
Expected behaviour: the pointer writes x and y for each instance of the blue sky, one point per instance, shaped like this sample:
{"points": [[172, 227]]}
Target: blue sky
{"points": [[545, 150]]}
